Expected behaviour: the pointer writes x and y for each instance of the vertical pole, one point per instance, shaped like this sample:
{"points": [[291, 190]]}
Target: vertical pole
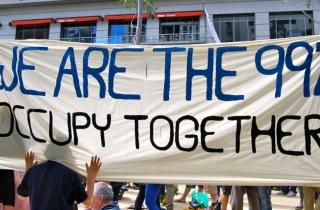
{"points": [[205, 24], [139, 22]]}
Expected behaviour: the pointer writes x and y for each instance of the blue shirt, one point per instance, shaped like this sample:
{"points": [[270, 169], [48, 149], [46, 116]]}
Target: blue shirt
{"points": [[52, 186], [112, 206]]}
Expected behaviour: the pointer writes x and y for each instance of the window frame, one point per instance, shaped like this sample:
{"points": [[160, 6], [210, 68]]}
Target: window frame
{"points": [[132, 31], [290, 18], [250, 17], [22, 29], [193, 22], [77, 26]]}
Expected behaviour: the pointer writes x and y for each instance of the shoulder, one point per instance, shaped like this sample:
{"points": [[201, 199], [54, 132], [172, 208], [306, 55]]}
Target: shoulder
{"points": [[55, 170], [111, 207], [62, 168], [36, 168]]}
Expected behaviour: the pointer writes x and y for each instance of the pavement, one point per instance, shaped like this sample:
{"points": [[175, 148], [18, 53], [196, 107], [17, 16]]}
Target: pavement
{"points": [[279, 202]]}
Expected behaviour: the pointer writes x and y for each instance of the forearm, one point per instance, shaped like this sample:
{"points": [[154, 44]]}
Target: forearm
{"points": [[90, 189], [28, 167], [92, 171]]}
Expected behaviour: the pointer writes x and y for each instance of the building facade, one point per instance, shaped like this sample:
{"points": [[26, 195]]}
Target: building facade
{"points": [[174, 21]]}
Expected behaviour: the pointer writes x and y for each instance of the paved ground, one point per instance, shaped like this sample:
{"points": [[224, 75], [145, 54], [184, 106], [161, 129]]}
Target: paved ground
{"points": [[278, 202]]}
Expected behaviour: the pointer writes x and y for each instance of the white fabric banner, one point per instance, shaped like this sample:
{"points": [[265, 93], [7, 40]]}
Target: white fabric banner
{"points": [[212, 30], [244, 113]]}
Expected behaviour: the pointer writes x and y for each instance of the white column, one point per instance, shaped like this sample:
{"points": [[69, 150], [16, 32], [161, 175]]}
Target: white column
{"points": [[7, 32], [102, 32], [153, 30], [262, 25], [54, 31], [316, 17]]}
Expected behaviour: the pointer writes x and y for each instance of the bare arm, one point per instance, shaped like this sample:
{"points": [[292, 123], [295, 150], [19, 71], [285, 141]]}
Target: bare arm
{"points": [[92, 171]]}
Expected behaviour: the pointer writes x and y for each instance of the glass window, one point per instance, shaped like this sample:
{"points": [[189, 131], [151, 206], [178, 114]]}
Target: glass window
{"points": [[232, 28], [32, 32], [290, 24], [124, 31], [79, 32], [179, 29]]}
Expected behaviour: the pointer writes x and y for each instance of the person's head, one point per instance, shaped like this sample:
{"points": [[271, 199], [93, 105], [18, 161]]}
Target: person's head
{"points": [[55, 152], [103, 194], [200, 188]]}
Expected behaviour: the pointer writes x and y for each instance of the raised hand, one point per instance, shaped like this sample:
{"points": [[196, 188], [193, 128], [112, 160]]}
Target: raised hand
{"points": [[92, 171], [93, 168], [29, 160]]}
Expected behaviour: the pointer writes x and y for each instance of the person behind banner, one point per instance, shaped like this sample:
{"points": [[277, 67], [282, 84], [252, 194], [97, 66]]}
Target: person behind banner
{"points": [[7, 188], [265, 197], [185, 194], [152, 193], [199, 199], [51, 185], [237, 193], [103, 197], [311, 198]]}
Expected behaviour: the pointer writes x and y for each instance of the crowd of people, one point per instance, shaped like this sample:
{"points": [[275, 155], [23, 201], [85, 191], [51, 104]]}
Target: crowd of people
{"points": [[259, 198], [53, 186]]}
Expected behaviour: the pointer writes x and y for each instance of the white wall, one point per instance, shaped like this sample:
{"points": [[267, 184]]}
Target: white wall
{"points": [[316, 16], [262, 25], [260, 8], [54, 31], [102, 31], [153, 29]]}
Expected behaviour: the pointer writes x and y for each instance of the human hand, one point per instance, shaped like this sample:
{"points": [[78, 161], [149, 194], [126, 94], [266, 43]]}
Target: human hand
{"points": [[29, 160], [93, 168]]}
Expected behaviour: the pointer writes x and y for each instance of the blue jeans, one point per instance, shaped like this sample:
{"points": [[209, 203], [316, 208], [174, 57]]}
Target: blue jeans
{"points": [[265, 199], [152, 195]]}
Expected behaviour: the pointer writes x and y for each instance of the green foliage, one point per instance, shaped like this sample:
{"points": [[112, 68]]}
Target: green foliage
{"points": [[147, 5]]}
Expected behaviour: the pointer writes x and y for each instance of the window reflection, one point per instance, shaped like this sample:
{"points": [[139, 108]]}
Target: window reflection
{"points": [[290, 24], [232, 28], [179, 29], [124, 31], [32, 32], [79, 32]]}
